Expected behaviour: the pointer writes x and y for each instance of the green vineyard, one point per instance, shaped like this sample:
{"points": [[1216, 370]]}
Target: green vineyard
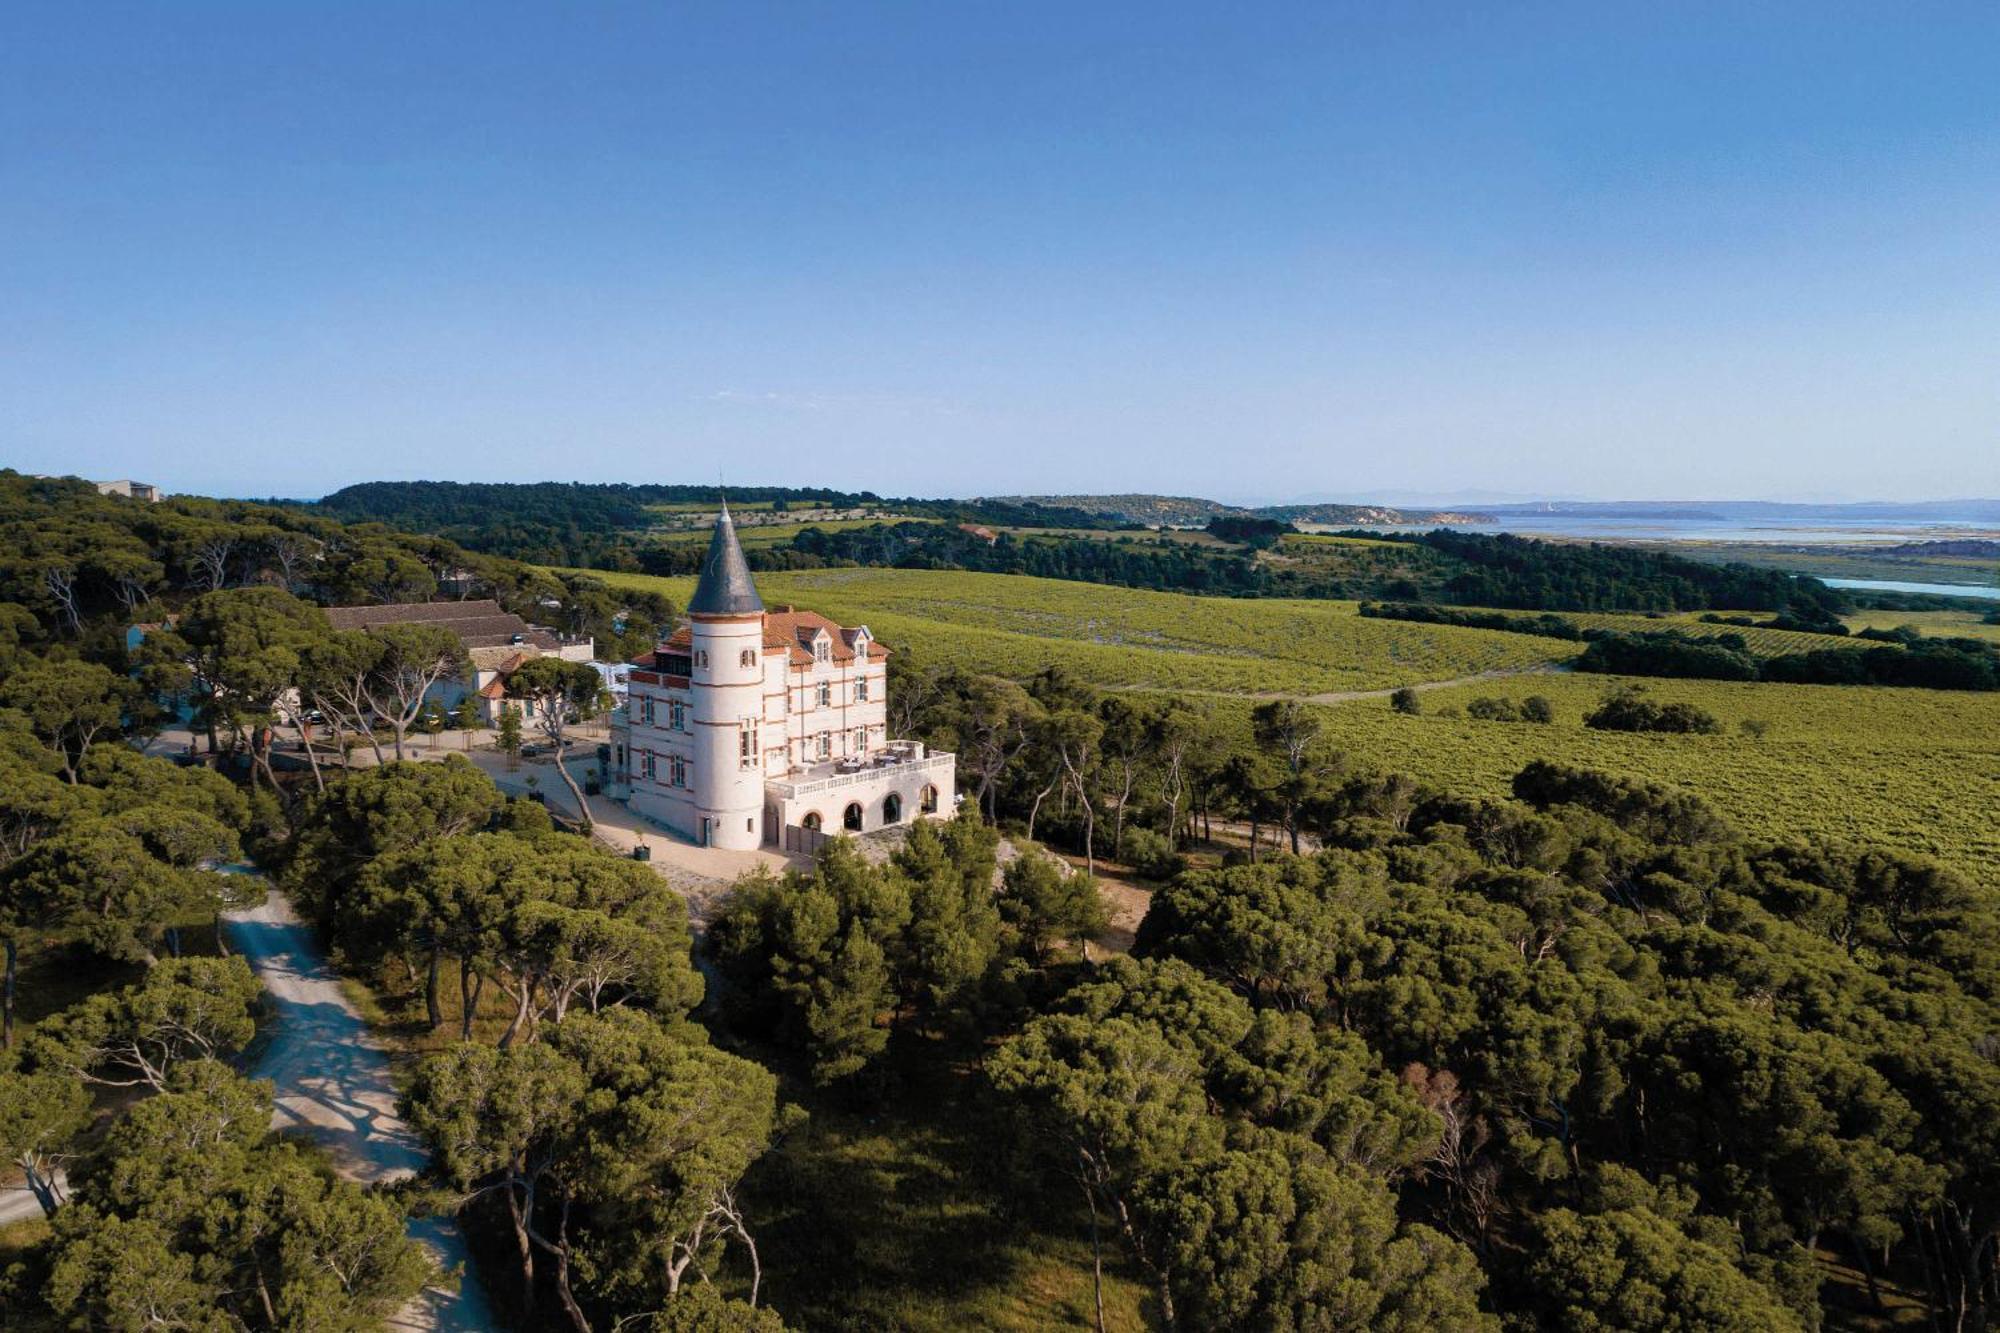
{"points": [[1918, 769], [1014, 626], [1761, 642]]}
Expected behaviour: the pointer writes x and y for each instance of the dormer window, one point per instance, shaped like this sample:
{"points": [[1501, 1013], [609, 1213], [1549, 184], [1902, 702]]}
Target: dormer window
{"points": [[822, 650]]}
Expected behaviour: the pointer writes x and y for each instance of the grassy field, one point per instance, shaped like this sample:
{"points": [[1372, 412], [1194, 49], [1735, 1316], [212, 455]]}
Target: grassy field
{"points": [[1936, 624], [1012, 625]]}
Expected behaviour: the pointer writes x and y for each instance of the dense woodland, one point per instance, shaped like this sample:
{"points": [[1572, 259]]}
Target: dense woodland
{"points": [[1905, 657], [600, 525], [1915, 660], [1381, 1057], [605, 527], [1442, 566]]}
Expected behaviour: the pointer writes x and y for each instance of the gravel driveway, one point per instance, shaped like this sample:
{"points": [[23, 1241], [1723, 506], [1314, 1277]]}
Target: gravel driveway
{"points": [[333, 1084]]}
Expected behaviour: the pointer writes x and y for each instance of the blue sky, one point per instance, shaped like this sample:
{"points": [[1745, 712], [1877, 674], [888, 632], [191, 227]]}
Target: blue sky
{"points": [[1250, 251]]}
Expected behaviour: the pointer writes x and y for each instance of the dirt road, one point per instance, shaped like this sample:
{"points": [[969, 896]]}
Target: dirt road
{"points": [[18, 1203], [1350, 696], [333, 1084]]}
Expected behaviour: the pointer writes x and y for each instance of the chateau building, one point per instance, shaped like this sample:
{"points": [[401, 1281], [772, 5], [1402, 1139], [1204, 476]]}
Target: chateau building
{"points": [[755, 726]]}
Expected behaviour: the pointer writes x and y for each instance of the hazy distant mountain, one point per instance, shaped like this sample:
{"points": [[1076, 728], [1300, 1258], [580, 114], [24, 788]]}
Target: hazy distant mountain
{"points": [[1185, 511]]}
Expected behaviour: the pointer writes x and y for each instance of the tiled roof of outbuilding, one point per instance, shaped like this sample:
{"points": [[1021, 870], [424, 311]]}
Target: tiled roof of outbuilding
{"points": [[479, 623]]}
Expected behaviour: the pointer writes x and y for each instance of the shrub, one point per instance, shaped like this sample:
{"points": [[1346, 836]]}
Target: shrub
{"points": [[1152, 855], [1537, 708], [1406, 702], [1669, 653], [1493, 710], [1629, 709]]}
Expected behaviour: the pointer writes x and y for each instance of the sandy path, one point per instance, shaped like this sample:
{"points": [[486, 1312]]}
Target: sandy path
{"points": [[18, 1203], [333, 1085]]}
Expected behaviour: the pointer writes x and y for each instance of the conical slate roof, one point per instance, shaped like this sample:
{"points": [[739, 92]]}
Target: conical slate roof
{"points": [[725, 588]]}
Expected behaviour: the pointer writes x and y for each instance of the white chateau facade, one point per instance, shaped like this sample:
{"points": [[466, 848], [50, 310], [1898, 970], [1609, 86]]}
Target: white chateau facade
{"points": [[755, 727]]}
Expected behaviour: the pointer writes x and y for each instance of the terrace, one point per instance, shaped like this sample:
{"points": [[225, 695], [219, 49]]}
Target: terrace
{"points": [[898, 759]]}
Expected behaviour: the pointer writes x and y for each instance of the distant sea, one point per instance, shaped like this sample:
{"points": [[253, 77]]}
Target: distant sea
{"points": [[1936, 589], [1709, 527], [1774, 525]]}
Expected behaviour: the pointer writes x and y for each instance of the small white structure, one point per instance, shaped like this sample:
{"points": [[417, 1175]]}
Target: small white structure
{"points": [[754, 727]]}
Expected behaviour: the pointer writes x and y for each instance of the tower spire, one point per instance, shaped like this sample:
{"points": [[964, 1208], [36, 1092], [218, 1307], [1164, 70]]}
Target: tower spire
{"points": [[725, 587]]}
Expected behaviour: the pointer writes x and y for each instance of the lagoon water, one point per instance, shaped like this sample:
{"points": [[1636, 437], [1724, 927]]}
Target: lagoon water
{"points": [[1722, 528], [1938, 589]]}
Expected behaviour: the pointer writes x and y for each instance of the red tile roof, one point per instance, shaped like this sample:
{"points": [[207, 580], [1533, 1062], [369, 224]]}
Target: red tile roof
{"points": [[786, 630]]}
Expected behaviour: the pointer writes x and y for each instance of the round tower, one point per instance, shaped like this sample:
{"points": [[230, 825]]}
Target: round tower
{"points": [[727, 688]]}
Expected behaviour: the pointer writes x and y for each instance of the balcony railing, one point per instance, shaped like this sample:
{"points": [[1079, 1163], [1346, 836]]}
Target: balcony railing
{"points": [[835, 776]]}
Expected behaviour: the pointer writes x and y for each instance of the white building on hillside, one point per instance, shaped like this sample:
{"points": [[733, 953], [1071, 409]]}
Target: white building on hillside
{"points": [[752, 726]]}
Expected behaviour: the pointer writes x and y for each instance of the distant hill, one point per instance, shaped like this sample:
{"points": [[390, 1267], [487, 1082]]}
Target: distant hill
{"points": [[1185, 511], [1157, 511], [1369, 515], [1977, 547]]}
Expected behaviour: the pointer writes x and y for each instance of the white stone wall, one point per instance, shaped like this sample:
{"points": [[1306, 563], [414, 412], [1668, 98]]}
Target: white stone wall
{"points": [[728, 697], [849, 723], [835, 801], [725, 803]]}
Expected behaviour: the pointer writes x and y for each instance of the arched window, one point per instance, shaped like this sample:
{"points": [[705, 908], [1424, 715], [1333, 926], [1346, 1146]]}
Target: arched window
{"points": [[892, 808], [927, 803], [812, 821], [851, 819]]}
